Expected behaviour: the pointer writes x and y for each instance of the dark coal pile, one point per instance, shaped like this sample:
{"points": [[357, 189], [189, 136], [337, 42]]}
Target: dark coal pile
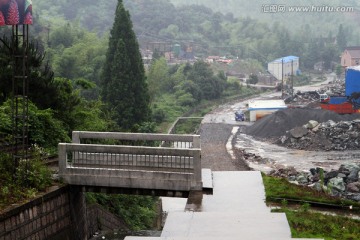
{"points": [[278, 123], [330, 135]]}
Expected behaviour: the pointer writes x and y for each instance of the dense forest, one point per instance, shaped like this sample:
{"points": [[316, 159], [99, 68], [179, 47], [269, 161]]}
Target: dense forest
{"points": [[243, 32]]}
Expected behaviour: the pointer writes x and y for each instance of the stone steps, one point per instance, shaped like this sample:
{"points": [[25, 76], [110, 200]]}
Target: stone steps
{"points": [[235, 210], [226, 225], [213, 238]]}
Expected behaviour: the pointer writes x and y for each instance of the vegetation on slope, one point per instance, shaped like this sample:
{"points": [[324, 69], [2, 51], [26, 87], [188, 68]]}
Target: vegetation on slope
{"points": [[303, 221]]}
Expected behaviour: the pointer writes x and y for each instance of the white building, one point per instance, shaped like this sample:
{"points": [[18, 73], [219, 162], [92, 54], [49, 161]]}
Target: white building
{"points": [[261, 108], [283, 68]]}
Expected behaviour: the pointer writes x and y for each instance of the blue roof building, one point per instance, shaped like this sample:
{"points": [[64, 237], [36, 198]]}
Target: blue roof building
{"points": [[283, 68]]}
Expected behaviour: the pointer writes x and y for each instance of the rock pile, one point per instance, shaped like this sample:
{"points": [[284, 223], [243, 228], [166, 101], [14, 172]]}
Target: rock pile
{"points": [[306, 97], [336, 88], [344, 182], [330, 135]]}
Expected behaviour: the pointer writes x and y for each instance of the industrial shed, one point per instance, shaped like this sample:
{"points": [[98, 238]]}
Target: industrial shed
{"points": [[283, 68], [260, 108]]}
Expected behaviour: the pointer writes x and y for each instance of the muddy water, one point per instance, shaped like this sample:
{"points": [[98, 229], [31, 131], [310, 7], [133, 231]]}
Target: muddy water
{"points": [[274, 156]]}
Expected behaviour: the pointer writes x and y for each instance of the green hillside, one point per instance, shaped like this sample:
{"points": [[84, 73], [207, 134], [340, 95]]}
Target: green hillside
{"points": [[271, 11]]}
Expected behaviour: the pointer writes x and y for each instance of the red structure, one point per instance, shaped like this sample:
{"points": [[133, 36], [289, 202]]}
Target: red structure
{"points": [[350, 103], [14, 12]]}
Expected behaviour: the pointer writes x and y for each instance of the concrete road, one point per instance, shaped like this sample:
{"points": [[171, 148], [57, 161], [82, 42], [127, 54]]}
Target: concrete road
{"points": [[219, 125]]}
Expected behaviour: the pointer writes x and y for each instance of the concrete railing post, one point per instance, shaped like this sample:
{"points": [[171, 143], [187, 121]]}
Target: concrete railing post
{"points": [[197, 170], [76, 137], [62, 158], [196, 141]]}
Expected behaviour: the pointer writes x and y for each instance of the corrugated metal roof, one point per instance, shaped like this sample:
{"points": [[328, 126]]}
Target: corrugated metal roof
{"points": [[267, 104], [356, 68], [286, 59]]}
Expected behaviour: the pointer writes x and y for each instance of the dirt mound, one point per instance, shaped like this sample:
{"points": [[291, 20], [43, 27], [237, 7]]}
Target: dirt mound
{"points": [[276, 124]]}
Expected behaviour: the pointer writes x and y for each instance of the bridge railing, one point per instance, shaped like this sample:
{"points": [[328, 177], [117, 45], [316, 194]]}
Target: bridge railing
{"points": [[162, 140], [125, 166]]}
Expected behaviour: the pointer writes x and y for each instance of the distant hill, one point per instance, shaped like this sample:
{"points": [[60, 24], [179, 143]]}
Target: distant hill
{"points": [[260, 29], [271, 11], [98, 15]]}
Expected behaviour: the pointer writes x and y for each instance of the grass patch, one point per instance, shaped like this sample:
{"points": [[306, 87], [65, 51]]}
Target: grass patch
{"points": [[24, 183], [305, 223], [187, 126], [278, 188], [168, 109]]}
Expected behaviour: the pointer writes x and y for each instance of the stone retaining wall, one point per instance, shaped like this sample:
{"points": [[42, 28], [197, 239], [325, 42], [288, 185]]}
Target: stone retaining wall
{"points": [[100, 219], [46, 217], [60, 214]]}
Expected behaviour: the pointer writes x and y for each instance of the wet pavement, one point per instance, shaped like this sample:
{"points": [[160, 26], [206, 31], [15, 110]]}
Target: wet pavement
{"points": [[236, 210], [274, 156]]}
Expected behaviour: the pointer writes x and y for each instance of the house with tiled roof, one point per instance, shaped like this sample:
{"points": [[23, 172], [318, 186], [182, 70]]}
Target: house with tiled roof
{"points": [[350, 56]]}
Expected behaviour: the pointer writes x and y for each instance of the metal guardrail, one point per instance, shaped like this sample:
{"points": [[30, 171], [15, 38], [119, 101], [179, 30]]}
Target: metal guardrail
{"points": [[170, 168]]}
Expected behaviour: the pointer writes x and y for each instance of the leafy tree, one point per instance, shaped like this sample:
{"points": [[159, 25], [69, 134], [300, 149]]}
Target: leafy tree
{"points": [[156, 54], [329, 54], [341, 38], [139, 212], [158, 78], [210, 85], [189, 87], [63, 36], [5, 69], [124, 86], [339, 70], [253, 79], [44, 129]]}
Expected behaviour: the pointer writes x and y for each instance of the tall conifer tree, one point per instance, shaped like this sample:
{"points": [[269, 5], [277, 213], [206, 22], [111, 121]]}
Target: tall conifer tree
{"points": [[124, 86]]}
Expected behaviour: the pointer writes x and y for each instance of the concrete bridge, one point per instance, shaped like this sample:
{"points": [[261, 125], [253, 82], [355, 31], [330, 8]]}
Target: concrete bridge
{"points": [[140, 163]]}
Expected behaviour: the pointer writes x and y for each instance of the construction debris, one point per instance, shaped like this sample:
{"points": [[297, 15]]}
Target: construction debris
{"points": [[344, 182], [330, 135]]}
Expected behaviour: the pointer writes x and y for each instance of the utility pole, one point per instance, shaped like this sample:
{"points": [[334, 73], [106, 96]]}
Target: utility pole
{"points": [[292, 79], [282, 78]]}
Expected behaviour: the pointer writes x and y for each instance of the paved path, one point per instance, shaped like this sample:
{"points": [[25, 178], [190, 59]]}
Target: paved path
{"points": [[214, 153], [236, 210]]}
